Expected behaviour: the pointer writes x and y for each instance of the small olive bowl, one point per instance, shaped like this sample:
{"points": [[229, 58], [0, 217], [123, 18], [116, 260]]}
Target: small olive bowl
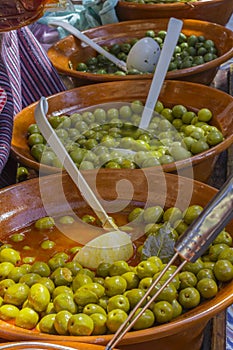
{"points": [[70, 51]]}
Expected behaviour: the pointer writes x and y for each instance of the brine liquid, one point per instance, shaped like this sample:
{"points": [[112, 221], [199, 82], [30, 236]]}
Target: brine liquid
{"points": [[18, 13]]}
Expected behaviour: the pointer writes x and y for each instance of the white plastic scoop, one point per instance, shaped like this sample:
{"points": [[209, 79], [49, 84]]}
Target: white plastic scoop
{"points": [[143, 56], [170, 42], [114, 245]]}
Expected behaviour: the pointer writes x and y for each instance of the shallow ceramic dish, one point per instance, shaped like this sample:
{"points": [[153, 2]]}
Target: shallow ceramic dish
{"points": [[217, 11], [193, 96], [23, 204], [71, 51], [56, 345]]}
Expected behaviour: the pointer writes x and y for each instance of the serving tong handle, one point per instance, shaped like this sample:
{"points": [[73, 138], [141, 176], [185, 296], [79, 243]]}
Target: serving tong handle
{"points": [[190, 246], [212, 220]]}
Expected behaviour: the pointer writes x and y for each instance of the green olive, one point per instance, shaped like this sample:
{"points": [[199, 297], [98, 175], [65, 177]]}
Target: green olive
{"points": [[80, 324], [187, 279], [60, 290], [134, 296], [207, 287], [8, 312], [17, 237], [16, 294], [4, 285], [48, 283], [146, 320], [38, 297], [146, 269], [45, 223], [223, 270], [61, 322], [5, 269], [189, 297], [99, 321], [65, 301], [30, 278], [191, 213], [153, 214], [10, 255], [163, 311], [62, 276], [136, 214], [46, 324], [80, 280], [17, 272], [115, 285], [118, 302], [41, 268], [115, 318], [177, 308], [132, 279], [27, 318], [118, 268]]}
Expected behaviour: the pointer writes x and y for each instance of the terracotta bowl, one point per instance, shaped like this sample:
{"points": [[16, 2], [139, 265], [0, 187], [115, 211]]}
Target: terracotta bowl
{"points": [[22, 205], [71, 50], [194, 96], [217, 11], [56, 345]]}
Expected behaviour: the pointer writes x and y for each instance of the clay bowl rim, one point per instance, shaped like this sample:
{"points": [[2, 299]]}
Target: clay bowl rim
{"points": [[170, 8], [75, 345], [171, 5], [205, 311], [176, 74], [194, 160]]}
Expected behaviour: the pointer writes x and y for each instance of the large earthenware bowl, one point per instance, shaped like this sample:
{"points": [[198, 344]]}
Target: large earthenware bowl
{"points": [[22, 204], [193, 96], [217, 11]]}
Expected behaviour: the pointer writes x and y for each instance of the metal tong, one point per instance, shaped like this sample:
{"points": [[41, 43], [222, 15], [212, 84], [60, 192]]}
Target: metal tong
{"points": [[189, 247]]}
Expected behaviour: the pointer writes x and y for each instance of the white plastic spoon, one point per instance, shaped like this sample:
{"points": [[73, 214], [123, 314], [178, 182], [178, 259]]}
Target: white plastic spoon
{"points": [[65, 159], [170, 42], [144, 56], [172, 36], [111, 246]]}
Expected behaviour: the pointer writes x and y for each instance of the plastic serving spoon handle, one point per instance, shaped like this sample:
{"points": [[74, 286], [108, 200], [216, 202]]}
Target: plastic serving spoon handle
{"points": [[57, 146], [172, 36], [87, 40]]}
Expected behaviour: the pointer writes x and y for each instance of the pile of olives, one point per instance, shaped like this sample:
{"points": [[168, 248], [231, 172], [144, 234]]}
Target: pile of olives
{"points": [[110, 138], [190, 51], [60, 297]]}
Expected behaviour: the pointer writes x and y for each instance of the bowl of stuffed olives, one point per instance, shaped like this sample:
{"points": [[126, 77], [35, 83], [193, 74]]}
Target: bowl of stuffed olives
{"points": [[216, 11], [98, 125], [202, 47], [47, 295]]}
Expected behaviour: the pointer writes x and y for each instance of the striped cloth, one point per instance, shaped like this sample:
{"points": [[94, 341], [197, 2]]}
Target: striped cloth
{"points": [[26, 74], [229, 328]]}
